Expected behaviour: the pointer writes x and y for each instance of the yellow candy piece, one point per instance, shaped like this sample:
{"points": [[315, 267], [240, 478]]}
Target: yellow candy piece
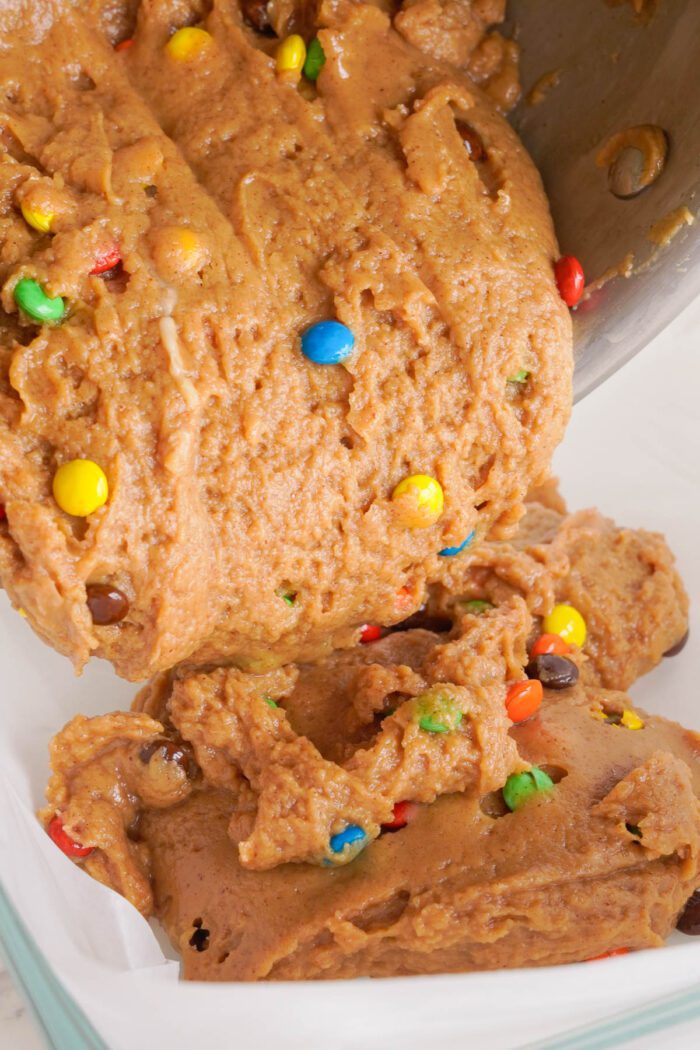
{"points": [[188, 43], [568, 623], [38, 220], [80, 487], [630, 720], [22, 613], [291, 55], [419, 501]]}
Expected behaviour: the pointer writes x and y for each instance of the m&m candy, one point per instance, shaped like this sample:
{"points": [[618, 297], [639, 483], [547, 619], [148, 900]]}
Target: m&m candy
{"points": [[65, 843], [689, 919], [371, 632], [436, 711], [403, 811], [80, 487], [327, 343], [449, 552], [106, 259], [36, 218], [315, 59], [419, 501], [520, 377], [124, 45], [477, 606], [33, 300], [631, 720], [256, 13], [679, 646], [549, 643], [107, 604], [609, 955], [352, 835], [567, 622], [568, 274], [188, 43], [519, 788], [290, 56], [523, 699], [553, 671]]}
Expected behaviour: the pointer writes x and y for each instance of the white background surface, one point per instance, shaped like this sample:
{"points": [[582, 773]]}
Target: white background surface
{"points": [[632, 449]]}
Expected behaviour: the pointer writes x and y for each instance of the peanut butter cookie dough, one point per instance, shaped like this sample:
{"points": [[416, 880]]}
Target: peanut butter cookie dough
{"points": [[471, 790], [195, 467]]}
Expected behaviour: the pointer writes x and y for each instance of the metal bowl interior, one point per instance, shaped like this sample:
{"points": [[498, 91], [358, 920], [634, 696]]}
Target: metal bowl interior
{"points": [[617, 70]]}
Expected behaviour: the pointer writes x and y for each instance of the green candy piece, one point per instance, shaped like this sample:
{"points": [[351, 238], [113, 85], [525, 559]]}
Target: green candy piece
{"points": [[477, 606], [31, 297], [436, 711], [270, 702], [521, 376], [315, 59], [520, 787]]}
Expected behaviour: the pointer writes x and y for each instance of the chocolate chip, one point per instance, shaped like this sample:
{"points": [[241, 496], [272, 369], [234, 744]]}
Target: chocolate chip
{"points": [[257, 14], [689, 919], [200, 937], [679, 646], [472, 141], [553, 671], [171, 751], [107, 604]]}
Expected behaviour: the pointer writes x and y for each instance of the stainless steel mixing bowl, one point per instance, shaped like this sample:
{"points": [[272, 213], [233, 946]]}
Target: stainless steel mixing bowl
{"points": [[616, 71]]}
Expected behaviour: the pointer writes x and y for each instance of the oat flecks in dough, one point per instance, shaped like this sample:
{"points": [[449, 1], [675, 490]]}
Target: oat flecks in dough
{"points": [[238, 469]]}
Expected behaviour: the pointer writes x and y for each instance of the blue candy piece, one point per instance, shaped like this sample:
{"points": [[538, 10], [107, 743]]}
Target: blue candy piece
{"points": [[449, 552], [327, 343], [352, 833]]}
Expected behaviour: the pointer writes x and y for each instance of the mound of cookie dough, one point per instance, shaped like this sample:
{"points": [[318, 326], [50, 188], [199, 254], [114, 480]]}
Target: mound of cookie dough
{"points": [[190, 470], [470, 790]]}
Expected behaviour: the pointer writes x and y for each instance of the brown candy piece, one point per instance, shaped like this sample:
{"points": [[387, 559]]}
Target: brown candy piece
{"points": [[635, 157], [107, 604], [257, 15], [689, 918], [171, 751], [679, 646], [472, 141], [553, 671]]}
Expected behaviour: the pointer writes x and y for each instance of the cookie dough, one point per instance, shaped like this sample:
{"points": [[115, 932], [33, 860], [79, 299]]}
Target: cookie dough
{"points": [[348, 817], [249, 516]]}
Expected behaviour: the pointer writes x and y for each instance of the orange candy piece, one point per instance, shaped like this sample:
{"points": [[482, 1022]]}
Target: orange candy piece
{"points": [[609, 955], [523, 699], [550, 643]]}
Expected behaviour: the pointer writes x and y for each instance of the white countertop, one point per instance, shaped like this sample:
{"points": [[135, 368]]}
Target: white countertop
{"points": [[18, 1030]]}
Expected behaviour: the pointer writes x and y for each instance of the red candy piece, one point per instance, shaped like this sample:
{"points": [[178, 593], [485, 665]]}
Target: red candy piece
{"points": [[106, 259], [65, 843], [403, 811], [523, 699], [124, 45], [609, 955], [370, 633], [550, 643], [568, 273], [3, 515]]}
